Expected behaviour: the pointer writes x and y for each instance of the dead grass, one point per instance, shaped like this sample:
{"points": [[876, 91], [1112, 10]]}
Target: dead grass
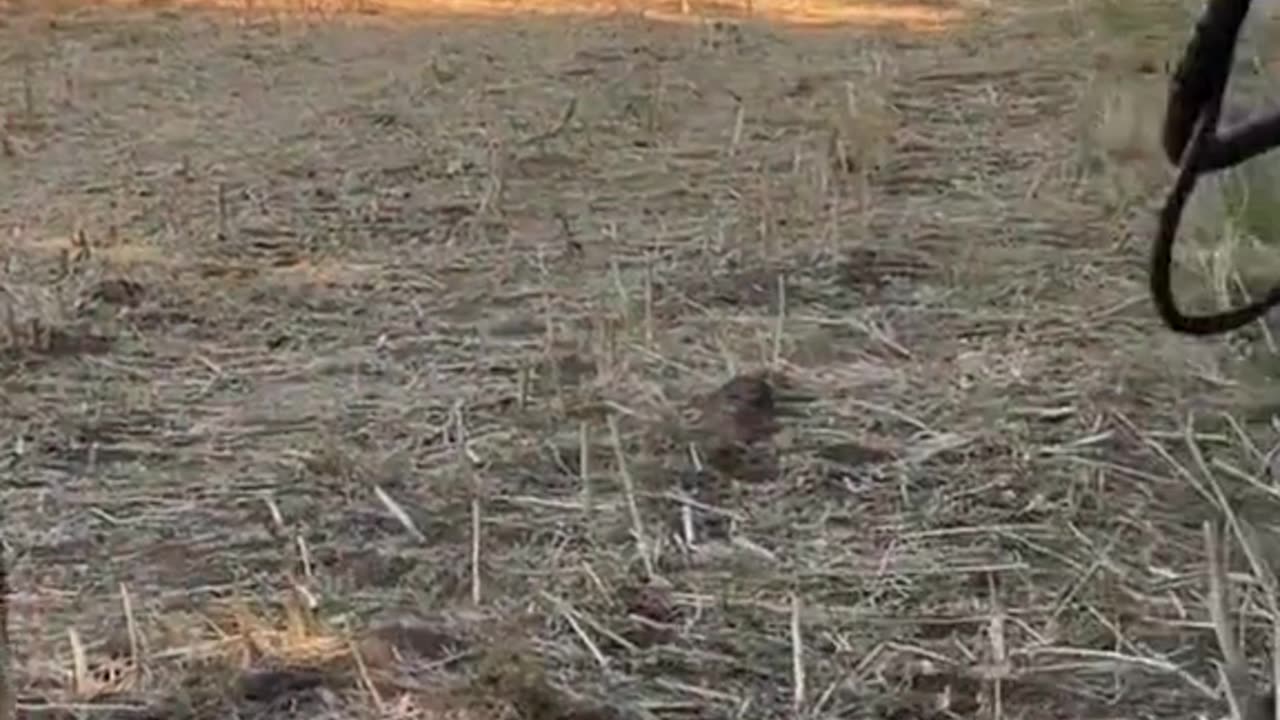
{"points": [[921, 17], [346, 359]]}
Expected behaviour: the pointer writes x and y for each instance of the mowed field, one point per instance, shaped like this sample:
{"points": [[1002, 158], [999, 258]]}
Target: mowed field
{"points": [[349, 356]]}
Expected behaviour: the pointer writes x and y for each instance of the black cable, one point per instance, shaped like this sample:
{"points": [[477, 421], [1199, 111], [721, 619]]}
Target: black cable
{"points": [[1191, 140]]}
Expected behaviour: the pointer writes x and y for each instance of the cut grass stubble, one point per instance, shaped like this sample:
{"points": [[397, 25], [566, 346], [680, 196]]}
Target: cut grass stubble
{"points": [[441, 314]]}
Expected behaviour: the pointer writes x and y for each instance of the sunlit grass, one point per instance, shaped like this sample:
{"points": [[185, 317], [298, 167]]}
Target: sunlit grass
{"points": [[923, 17]]}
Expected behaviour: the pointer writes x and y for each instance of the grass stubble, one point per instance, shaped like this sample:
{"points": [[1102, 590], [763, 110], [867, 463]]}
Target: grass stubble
{"points": [[359, 366]]}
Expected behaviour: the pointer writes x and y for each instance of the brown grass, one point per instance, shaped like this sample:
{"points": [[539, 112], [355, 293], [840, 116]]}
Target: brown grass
{"points": [[920, 17], [345, 359]]}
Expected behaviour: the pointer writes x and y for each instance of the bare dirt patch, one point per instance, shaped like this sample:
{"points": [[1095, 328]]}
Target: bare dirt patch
{"points": [[352, 367]]}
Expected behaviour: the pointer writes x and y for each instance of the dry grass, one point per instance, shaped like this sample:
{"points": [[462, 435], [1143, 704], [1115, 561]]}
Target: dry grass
{"points": [[346, 358], [920, 17]]}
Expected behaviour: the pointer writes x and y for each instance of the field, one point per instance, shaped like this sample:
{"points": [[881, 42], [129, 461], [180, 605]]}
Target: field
{"points": [[353, 361]]}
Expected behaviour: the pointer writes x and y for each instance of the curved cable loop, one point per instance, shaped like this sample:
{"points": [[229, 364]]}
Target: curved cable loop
{"points": [[1191, 140]]}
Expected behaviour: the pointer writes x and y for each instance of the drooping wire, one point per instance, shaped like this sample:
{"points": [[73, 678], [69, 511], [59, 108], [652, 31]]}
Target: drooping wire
{"points": [[1191, 140]]}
